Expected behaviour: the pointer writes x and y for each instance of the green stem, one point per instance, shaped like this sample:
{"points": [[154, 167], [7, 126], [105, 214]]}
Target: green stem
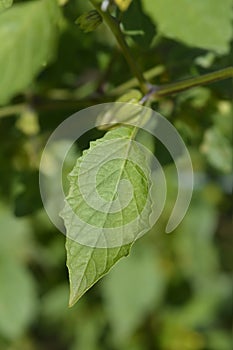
{"points": [[150, 74], [51, 105], [114, 26], [174, 88], [157, 91], [11, 110]]}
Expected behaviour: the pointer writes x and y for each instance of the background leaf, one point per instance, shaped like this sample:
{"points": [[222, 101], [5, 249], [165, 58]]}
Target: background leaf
{"points": [[28, 34], [218, 150], [135, 20], [204, 24], [133, 290], [5, 4], [17, 298]]}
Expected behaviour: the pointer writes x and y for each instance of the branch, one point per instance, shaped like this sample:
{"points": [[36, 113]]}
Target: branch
{"points": [[174, 88], [132, 83], [114, 26], [45, 104], [12, 110]]}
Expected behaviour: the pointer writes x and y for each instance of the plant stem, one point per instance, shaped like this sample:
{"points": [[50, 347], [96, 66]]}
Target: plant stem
{"points": [[174, 88], [11, 110], [150, 74], [114, 26], [51, 105], [156, 91]]}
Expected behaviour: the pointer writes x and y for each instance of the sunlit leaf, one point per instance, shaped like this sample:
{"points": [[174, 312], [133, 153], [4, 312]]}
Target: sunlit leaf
{"points": [[107, 209]]}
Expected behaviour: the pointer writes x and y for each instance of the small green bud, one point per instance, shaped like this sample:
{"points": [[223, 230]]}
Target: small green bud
{"points": [[89, 21], [123, 112], [28, 122], [131, 96]]}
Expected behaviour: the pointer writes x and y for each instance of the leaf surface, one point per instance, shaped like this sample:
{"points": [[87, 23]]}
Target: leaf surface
{"points": [[109, 194], [87, 265]]}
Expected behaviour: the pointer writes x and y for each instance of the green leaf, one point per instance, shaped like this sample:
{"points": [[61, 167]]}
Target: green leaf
{"points": [[28, 34], [135, 20], [204, 24], [17, 298], [15, 237], [107, 209], [218, 150], [5, 4], [109, 189]]}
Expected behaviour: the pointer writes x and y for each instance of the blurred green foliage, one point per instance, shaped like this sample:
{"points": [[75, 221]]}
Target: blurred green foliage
{"points": [[173, 292]]}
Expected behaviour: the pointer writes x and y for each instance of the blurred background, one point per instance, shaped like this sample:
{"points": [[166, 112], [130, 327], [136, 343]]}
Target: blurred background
{"points": [[174, 291]]}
